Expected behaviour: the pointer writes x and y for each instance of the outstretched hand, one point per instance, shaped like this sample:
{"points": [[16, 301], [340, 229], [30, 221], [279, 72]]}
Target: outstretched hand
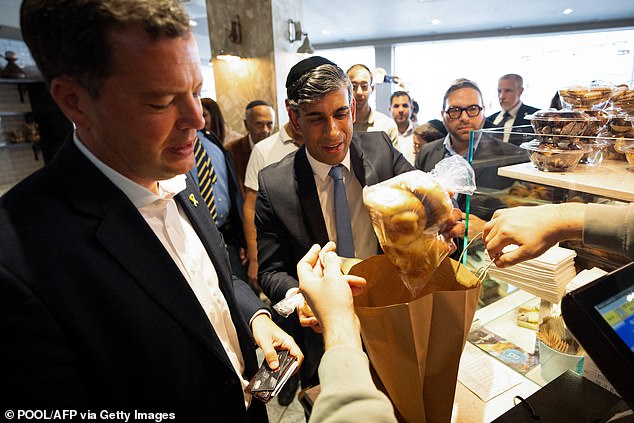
{"points": [[329, 294]]}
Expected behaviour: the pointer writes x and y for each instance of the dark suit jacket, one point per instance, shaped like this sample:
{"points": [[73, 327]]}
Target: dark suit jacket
{"points": [[289, 220], [488, 157], [95, 313], [240, 151], [520, 120], [232, 230]]}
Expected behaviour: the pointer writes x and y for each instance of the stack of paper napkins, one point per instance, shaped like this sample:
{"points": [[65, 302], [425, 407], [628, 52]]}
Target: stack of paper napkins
{"points": [[545, 276]]}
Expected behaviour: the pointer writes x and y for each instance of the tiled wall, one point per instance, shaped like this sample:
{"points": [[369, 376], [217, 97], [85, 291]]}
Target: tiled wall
{"points": [[16, 161]]}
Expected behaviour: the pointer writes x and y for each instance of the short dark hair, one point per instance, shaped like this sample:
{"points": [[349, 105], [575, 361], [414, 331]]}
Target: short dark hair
{"points": [[361, 66], [256, 103], [71, 37], [316, 84], [458, 84], [400, 94], [431, 130]]}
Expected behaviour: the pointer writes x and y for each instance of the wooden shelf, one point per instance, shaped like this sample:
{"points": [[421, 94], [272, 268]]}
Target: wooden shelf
{"points": [[613, 179]]}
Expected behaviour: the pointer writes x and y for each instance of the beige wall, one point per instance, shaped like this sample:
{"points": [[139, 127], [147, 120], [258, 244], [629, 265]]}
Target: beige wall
{"points": [[267, 54]]}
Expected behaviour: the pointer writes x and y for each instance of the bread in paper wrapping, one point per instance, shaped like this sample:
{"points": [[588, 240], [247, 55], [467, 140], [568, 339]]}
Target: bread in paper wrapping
{"points": [[408, 213]]}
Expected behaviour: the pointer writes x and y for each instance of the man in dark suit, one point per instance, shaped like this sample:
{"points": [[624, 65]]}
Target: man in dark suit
{"points": [[259, 121], [514, 112], [295, 204], [463, 112], [115, 287]]}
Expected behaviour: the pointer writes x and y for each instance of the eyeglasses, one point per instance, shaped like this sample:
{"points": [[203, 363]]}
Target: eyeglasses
{"points": [[472, 111]]}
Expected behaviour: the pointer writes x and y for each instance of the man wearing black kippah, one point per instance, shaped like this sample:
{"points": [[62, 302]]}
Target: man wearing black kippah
{"points": [[314, 195]]}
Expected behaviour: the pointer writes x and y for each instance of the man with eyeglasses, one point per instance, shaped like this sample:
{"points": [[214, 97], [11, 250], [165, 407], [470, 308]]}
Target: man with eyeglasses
{"points": [[463, 112]]}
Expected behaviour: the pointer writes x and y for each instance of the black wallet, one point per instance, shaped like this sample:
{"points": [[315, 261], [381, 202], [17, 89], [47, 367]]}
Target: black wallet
{"points": [[267, 383]]}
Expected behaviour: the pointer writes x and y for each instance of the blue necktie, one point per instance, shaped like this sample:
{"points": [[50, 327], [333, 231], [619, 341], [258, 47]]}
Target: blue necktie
{"points": [[345, 244]]}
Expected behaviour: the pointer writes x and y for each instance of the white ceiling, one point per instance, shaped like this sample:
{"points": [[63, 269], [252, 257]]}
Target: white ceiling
{"points": [[383, 22], [336, 21]]}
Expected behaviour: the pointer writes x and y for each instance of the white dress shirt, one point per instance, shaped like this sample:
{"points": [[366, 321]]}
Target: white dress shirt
{"points": [[171, 226], [508, 125], [365, 243]]}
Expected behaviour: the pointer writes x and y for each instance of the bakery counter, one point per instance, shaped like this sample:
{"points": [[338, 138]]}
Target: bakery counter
{"points": [[613, 179]]}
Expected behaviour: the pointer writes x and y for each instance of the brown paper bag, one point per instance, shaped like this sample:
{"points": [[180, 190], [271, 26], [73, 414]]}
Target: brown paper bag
{"points": [[414, 344]]}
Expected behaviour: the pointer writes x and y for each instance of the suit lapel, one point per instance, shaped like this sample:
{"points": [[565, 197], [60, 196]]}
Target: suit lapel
{"points": [[358, 164], [308, 198], [124, 233]]}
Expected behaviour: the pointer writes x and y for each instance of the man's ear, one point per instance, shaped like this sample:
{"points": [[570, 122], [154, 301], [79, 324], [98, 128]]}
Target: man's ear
{"points": [[353, 109], [521, 90], [293, 119], [72, 99]]}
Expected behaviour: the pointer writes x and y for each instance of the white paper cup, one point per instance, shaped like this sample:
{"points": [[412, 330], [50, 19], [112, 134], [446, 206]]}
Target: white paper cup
{"points": [[553, 362]]}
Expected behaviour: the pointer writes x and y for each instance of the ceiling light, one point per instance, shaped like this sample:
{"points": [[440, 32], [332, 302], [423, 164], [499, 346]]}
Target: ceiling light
{"points": [[435, 22], [295, 33], [325, 32], [567, 11], [193, 23]]}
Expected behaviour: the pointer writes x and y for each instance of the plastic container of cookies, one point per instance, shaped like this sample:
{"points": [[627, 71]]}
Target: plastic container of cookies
{"points": [[623, 99], [585, 97], [562, 125], [555, 157]]}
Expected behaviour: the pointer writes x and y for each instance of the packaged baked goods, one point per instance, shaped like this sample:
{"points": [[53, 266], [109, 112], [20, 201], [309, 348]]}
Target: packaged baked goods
{"points": [[409, 213], [585, 97], [562, 125], [555, 157], [623, 99]]}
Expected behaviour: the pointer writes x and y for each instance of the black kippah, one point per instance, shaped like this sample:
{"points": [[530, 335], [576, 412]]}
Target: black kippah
{"points": [[304, 66]]}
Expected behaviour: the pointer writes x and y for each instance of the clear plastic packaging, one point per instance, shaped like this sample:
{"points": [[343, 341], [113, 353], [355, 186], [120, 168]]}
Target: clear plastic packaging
{"points": [[586, 97], [410, 211], [553, 157], [289, 304]]}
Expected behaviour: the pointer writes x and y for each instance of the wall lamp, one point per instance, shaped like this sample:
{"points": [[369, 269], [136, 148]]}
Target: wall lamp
{"points": [[295, 34], [234, 35]]}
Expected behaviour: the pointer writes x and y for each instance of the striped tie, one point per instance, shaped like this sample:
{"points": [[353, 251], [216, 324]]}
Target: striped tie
{"points": [[206, 177]]}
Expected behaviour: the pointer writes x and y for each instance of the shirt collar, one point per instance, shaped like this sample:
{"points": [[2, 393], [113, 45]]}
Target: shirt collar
{"points": [[251, 143], [138, 195], [514, 110], [286, 139], [409, 131], [449, 148], [371, 117], [321, 169]]}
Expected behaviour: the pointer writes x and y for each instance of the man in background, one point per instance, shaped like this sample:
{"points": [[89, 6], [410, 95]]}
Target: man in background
{"points": [[268, 151], [513, 113], [368, 120], [401, 109], [463, 112], [259, 121], [221, 189]]}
